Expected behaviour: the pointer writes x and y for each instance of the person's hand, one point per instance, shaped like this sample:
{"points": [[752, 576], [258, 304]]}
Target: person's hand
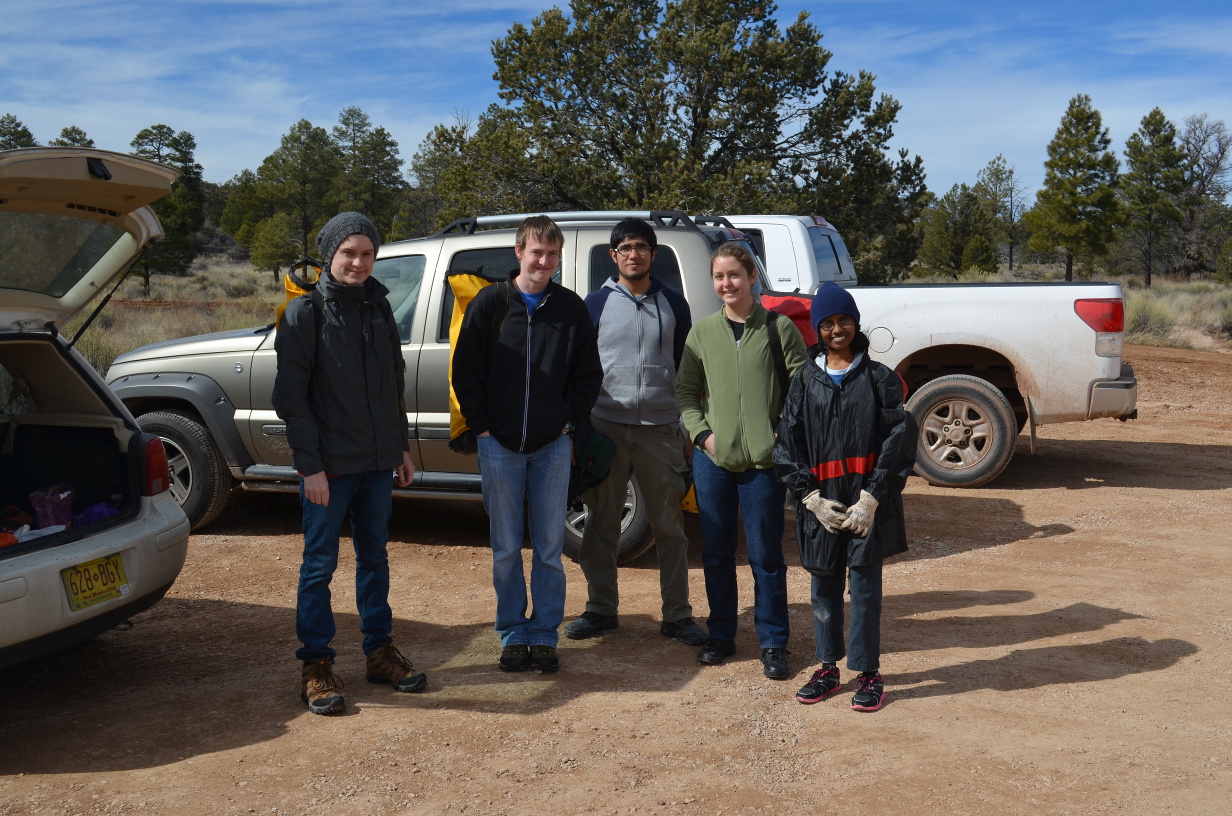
{"points": [[708, 445], [404, 471], [831, 514], [860, 517], [316, 488]]}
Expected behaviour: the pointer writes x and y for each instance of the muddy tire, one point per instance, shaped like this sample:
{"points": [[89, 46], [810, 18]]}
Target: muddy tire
{"points": [[635, 536], [200, 481], [967, 431]]}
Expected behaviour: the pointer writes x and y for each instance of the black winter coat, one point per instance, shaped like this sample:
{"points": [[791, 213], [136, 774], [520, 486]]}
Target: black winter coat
{"points": [[841, 440], [339, 387], [540, 373]]}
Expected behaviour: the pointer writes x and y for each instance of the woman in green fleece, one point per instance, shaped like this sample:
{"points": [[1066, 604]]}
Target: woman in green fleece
{"points": [[730, 397]]}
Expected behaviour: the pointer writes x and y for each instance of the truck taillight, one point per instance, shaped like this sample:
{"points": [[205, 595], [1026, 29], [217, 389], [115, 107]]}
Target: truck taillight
{"points": [[157, 473], [1107, 317], [1102, 314]]}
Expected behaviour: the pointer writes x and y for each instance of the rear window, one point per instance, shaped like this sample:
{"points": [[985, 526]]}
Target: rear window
{"points": [[827, 259], [403, 277], [665, 267], [49, 254]]}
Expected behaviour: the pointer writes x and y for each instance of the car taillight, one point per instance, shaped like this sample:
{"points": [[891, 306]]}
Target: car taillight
{"points": [[1102, 314], [157, 474], [1107, 317]]}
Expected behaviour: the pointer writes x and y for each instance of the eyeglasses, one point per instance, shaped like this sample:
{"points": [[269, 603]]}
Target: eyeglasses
{"points": [[829, 325], [628, 249]]}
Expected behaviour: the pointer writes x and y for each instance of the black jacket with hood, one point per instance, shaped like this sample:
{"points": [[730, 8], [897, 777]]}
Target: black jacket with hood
{"points": [[540, 373], [339, 387], [841, 440]]}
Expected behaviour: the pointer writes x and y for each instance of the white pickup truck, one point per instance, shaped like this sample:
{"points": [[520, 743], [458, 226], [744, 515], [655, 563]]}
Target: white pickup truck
{"points": [[981, 361]]}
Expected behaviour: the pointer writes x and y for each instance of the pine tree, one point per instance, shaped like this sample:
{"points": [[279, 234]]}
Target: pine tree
{"points": [[1208, 144], [299, 179], [1076, 211], [72, 136], [182, 211], [1005, 197], [13, 134], [950, 225], [1152, 186]]}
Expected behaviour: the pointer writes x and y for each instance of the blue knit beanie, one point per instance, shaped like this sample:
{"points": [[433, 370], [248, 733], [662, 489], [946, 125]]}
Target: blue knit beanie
{"points": [[832, 299], [341, 227]]}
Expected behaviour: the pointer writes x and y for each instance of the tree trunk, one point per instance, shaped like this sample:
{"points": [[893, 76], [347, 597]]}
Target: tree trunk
{"points": [[1069, 266]]}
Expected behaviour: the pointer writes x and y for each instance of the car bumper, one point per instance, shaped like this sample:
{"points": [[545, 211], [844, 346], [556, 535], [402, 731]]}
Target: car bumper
{"points": [[1117, 398], [35, 615]]}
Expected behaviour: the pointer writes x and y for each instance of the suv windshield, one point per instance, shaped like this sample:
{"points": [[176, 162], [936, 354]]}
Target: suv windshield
{"points": [[49, 254]]}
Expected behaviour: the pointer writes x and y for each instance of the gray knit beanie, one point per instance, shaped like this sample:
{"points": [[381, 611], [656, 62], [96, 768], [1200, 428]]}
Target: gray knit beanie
{"points": [[341, 227]]}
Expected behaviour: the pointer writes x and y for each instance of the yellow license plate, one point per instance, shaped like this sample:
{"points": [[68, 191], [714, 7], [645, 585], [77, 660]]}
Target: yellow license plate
{"points": [[95, 581]]}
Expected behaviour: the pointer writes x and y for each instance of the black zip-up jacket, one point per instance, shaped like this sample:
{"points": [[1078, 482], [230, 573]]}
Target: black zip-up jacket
{"points": [[340, 388], [839, 441], [541, 373]]}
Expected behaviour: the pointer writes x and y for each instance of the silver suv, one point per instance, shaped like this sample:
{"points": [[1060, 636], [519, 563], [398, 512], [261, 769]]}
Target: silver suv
{"points": [[209, 397], [89, 534]]}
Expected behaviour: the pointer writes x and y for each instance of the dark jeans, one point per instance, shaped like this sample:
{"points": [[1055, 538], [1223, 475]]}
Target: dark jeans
{"points": [[368, 499], [759, 498], [865, 652]]}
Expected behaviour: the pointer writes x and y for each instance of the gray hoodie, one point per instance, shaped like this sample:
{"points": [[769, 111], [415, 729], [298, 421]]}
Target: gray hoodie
{"points": [[641, 340]]}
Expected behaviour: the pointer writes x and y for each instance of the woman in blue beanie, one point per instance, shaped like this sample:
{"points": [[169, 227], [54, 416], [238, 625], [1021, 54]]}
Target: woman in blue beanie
{"points": [[845, 448]]}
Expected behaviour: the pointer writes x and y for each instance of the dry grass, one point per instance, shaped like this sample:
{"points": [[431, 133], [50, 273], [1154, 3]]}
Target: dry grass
{"points": [[218, 296]]}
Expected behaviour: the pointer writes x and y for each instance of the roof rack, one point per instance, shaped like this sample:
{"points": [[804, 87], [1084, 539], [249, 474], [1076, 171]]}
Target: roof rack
{"points": [[662, 219]]}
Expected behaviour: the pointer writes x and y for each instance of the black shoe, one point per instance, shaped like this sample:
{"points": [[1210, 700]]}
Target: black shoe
{"points": [[716, 651], [515, 658], [822, 684], [774, 664], [589, 625], [544, 659], [685, 630], [871, 693]]}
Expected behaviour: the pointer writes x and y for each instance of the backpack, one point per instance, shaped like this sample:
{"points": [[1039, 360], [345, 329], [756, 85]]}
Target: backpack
{"points": [[296, 284], [465, 286]]}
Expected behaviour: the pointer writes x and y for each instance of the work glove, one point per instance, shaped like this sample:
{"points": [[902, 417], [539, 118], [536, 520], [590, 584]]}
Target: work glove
{"points": [[860, 515], [831, 514]]}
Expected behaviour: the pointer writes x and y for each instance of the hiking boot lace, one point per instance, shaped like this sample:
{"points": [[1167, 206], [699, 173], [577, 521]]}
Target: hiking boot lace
{"points": [[390, 660]]}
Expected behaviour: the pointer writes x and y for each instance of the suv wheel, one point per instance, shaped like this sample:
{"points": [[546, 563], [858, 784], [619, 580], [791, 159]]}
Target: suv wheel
{"points": [[200, 480], [634, 528]]}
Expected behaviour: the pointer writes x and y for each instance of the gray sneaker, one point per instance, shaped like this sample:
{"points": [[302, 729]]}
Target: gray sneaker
{"points": [[685, 630]]}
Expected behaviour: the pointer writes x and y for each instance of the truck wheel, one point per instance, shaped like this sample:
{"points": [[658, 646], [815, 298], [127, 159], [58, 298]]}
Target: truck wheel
{"points": [[967, 431], [200, 481], [634, 528]]}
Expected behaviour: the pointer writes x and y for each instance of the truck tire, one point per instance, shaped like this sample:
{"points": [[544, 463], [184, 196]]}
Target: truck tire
{"points": [[634, 528], [200, 481], [967, 431]]}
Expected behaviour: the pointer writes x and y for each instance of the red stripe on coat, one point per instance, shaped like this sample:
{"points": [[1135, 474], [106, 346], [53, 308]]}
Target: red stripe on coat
{"points": [[841, 467]]}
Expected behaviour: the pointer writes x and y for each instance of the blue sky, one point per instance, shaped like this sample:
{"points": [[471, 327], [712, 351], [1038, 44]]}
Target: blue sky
{"points": [[975, 78]]}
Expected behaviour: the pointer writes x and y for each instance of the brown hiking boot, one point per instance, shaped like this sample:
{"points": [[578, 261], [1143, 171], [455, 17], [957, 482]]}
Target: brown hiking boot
{"points": [[319, 688], [387, 665]]}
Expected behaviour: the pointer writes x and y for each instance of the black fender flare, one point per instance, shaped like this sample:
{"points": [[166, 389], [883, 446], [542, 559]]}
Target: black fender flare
{"points": [[142, 393]]}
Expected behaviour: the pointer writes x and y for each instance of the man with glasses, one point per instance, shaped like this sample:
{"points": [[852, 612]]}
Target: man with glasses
{"points": [[641, 326]]}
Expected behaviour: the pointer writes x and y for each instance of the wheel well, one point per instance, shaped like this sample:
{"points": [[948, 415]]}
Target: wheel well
{"points": [[144, 405], [941, 361]]}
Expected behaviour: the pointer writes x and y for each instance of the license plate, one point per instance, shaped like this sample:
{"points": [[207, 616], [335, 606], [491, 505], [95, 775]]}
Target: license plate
{"points": [[95, 581]]}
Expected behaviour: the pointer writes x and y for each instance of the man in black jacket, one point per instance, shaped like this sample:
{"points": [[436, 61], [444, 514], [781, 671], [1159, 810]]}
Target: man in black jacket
{"points": [[339, 390], [522, 392]]}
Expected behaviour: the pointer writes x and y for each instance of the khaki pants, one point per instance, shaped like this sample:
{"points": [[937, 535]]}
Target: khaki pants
{"points": [[655, 455]]}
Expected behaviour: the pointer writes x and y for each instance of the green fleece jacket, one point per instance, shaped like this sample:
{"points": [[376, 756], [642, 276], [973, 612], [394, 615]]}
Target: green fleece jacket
{"points": [[733, 391]]}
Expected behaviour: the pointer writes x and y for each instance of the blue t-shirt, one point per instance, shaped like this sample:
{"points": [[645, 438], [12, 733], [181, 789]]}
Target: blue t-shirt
{"points": [[532, 301]]}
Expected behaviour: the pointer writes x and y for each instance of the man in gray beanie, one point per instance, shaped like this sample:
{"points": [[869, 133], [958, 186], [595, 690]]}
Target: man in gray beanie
{"points": [[339, 389]]}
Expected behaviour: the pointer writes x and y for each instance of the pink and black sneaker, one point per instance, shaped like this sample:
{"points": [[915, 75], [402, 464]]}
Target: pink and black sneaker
{"points": [[824, 682], [871, 693]]}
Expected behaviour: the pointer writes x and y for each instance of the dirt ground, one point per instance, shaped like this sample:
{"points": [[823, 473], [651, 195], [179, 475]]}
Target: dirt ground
{"points": [[1056, 643]]}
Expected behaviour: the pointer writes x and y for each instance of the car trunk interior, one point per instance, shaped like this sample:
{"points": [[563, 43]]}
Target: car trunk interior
{"points": [[57, 436]]}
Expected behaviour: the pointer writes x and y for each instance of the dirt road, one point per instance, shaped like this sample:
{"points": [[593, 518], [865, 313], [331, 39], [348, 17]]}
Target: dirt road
{"points": [[1057, 643]]}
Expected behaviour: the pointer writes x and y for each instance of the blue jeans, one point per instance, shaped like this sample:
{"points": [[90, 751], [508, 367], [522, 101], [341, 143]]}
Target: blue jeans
{"points": [[368, 499], [540, 481], [759, 497], [865, 652]]}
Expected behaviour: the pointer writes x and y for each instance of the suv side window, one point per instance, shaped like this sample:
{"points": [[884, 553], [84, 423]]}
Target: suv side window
{"points": [[494, 263], [665, 267], [403, 277]]}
